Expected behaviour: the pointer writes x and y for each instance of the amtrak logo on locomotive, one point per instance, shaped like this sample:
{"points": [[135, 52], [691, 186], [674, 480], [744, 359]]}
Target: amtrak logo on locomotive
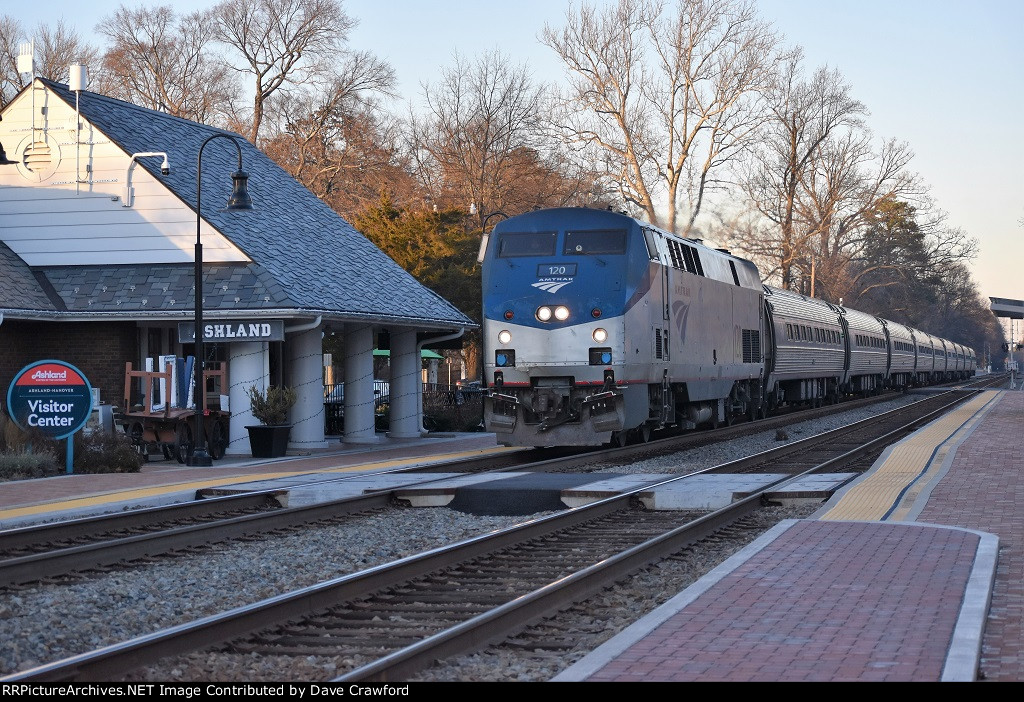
{"points": [[551, 286], [552, 277]]}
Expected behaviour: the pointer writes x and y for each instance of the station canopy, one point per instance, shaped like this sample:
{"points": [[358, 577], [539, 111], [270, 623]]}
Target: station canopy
{"points": [[425, 353], [1003, 307]]}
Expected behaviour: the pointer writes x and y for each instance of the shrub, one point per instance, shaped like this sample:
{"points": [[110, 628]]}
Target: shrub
{"points": [[19, 465], [271, 408], [104, 452]]}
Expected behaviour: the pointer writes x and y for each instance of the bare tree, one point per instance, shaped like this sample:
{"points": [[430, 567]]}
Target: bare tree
{"points": [[11, 34], [336, 139], [60, 47], [480, 138], [282, 42], [665, 95], [843, 187], [54, 50], [806, 116], [162, 61]]}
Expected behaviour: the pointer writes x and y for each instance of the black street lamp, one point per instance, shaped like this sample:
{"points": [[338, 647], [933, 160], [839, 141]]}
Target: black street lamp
{"points": [[484, 236], [239, 200]]}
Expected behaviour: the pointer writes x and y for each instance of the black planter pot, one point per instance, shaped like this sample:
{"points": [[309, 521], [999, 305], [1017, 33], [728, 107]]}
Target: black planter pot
{"points": [[269, 441]]}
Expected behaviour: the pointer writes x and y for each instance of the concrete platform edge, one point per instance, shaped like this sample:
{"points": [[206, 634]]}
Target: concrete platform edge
{"points": [[964, 658]]}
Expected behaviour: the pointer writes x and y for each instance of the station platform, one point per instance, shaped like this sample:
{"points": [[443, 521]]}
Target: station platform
{"points": [[164, 482], [913, 573]]}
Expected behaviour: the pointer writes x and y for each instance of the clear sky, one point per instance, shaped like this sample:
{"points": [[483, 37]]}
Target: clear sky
{"points": [[943, 75]]}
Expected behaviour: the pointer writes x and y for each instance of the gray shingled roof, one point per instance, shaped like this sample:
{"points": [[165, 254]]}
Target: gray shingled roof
{"points": [[166, 288], [19, 288], [306, 256]]}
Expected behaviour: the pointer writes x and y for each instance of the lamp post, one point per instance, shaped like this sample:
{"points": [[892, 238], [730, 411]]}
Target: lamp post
{"points": [[483, 229], [239, 200], [483, 223]]}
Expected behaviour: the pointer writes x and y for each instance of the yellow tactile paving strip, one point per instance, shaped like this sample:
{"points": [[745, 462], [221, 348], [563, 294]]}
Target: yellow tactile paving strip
{"points": [[888, 491], [157, 490]]}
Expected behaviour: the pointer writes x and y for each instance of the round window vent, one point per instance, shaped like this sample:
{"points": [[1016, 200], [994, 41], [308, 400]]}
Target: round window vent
{"points": [[38, 157]]}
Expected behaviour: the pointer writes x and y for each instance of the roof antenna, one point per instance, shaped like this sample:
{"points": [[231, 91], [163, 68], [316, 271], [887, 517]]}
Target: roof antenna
{"points": [[26, 64], [27, 59], [78, 78]]}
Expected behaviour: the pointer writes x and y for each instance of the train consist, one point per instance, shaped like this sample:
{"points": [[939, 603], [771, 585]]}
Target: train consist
{"points": [[601, 328]]}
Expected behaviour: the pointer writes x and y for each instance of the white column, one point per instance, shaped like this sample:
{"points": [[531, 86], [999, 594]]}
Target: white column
{"points": [[405, 407], [248, 364], [359, 417], [305, 373]]}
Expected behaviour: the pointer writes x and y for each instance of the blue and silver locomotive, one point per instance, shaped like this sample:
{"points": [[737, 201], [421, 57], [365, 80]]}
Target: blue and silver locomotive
{"points": [[601, 328]]}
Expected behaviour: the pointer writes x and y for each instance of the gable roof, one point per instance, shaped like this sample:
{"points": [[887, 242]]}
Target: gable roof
{"points": [[314, 261], [19, 288]]}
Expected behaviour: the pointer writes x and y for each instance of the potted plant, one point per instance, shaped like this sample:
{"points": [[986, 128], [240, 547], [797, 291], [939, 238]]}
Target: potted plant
{"points": [[269, 439]]}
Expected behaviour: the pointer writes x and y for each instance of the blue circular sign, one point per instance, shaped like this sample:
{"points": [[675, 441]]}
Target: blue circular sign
{"points": [[50, 396]]}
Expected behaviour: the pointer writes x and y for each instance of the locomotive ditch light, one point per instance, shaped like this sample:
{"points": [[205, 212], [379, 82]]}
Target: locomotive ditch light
{"points": [[600, 335], [544, 314], [561, 313], [504, 336]]}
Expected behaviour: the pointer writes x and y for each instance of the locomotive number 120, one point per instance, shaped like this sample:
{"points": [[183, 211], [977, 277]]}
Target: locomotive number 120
{"points": [[545, 270]]}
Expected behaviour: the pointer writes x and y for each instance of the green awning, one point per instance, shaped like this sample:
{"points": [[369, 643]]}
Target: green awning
{"points": [[425, 353]]}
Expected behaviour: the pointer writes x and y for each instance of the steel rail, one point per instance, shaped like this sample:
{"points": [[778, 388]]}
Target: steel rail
{"points": [[30, 568], [89, 527]]}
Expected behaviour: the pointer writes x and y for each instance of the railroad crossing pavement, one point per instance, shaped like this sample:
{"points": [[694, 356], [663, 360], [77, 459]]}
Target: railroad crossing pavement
{"points": [[164, 482]]}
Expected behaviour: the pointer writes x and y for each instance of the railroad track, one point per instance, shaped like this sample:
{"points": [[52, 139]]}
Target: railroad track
{"points": [[516, 576], [92, 544]]}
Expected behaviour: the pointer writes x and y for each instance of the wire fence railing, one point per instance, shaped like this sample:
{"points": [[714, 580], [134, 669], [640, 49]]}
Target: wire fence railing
{"points": [[445, 407]]}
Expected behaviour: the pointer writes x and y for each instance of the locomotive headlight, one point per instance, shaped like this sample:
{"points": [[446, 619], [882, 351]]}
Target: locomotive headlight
{"points": [[504, 336], [600, 335], [544, 314], [561, 313]]}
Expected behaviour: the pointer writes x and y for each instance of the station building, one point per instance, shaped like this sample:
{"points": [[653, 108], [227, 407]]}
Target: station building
{"points": [[98, 233]]}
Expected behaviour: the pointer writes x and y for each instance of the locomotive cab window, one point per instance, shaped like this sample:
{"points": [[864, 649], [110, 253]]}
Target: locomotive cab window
{"points": [[515, 244], [651, 239], [595, 242]]}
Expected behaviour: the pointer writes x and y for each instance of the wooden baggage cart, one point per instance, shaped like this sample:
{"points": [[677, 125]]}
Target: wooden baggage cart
{"points": [[171, 430]]}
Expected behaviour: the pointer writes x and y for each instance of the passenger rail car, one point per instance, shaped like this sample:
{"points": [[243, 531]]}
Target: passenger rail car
{"points": [[902, 354], [805, 350], [601, 328]]}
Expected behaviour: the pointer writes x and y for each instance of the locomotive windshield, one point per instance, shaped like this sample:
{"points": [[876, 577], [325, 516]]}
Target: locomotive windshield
{"points": [[609, 241], [512, 244]]}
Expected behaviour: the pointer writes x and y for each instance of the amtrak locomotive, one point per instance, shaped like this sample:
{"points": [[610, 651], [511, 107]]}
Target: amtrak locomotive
{"points": [[601, 328]]}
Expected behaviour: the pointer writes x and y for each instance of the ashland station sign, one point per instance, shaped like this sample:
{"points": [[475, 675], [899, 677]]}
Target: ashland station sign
{"points": [[233, 330]]}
